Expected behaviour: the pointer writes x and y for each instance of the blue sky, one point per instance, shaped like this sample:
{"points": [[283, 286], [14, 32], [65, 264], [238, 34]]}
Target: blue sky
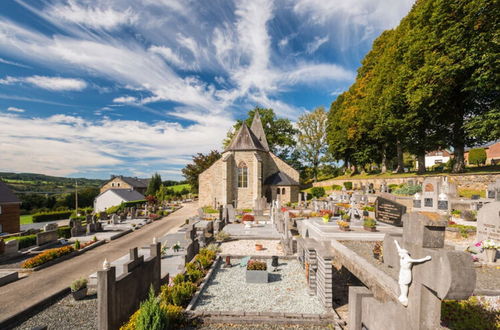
{"points": [[92, 88]]}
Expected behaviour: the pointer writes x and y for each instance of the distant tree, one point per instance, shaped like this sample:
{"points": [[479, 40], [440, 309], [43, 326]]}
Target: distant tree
{"points": [[154, 184], [312, 138], [318, 192], [86, 198], [200, 163], [477, 156]]}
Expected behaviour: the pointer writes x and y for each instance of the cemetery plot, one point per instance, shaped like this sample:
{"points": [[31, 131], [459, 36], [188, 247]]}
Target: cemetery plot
{"points": [[389, 211]]}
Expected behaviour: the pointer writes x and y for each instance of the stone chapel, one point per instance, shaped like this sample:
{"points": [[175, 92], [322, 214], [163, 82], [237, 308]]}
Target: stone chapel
{"points": [[248, 170]]}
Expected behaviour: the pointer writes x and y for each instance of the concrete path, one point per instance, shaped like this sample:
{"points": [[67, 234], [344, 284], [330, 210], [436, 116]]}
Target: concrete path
{"points": [[24, 293], [40, 225]]}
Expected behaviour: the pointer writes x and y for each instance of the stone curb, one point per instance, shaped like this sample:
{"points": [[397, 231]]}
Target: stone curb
{"points": [[123, 233], [207, 277]]}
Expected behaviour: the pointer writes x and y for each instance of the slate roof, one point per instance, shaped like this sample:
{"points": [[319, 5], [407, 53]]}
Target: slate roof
{"points": [[135, 182], [6, 195], [245, 139], [258, 130], [280, 179], [127, 194]]}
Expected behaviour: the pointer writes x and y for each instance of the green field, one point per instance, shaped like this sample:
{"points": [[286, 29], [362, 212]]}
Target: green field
{"points": [[25, 219], [180, 187]]}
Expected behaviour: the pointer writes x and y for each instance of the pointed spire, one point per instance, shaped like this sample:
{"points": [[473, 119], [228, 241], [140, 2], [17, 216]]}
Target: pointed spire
{"points": [[245, 140], [258, 130]]}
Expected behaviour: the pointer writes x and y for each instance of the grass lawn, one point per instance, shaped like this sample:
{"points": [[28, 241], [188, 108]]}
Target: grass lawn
{"points": [[179, 187], [25, 219]]}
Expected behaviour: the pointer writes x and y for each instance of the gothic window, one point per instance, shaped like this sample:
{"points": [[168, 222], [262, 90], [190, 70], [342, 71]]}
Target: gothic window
{"points": [[242, 175]]}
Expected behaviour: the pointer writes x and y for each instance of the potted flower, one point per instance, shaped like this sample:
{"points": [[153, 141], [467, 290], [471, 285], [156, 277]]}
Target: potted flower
{"points": [[377, 251], [370, 224], [490, 247], [259, 247], [343, 225], [256, 272], [79, 289], [176, 247], [346, 217], [247, 220]]}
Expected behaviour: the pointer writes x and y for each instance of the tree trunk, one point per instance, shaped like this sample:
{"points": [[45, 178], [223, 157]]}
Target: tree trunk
{"points": [[459, 162], [383, 167], [421, 163], [399, 150]]}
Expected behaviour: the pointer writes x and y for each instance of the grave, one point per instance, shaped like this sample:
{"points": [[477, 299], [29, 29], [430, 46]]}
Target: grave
{"points": [[488, 222], [76, 227], [48, 235], [436, 195], [493, 190], [389, 211]]}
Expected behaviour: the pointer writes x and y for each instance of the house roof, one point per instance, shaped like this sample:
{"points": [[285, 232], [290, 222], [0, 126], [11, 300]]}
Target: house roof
{"points": [[245, 139], [134, 182], [486, 145], [127, 195], [258, 130], [280, 179], [6, 195]]}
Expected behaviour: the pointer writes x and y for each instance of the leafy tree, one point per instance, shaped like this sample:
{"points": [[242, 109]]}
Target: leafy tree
{"points": [[477, 156], [312, 138], [200, 163], [318, 192], [86, 198], [280, 133], [154, 184]]}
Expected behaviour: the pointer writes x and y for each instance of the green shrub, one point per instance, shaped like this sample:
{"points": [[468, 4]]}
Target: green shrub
{"points": [[194, 275], [370, 223], [178, 294], [113, 209], [210, 254], [81, 217], [64, 232], [209, 209], [406, 189], [49, 216], [469, 314], [317, 192], [175, 315], [151, 316], [477, 156], [256, 265], [348, 185], [77, 245], [24, 241], [179, 278], [203, 260], [190, 266], [337, 187], [78, 284]]}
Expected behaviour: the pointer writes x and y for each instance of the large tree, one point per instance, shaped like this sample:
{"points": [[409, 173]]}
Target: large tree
{"points": [[200, 163], [312, 138], [154, 184], [280, 133]]}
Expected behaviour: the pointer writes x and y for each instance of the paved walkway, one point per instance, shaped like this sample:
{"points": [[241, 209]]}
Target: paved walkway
{"points": [[24, 293]]}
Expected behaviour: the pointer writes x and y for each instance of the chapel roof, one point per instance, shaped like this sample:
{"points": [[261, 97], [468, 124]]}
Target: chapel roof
{"points": [[280, 179], [245, 139]]}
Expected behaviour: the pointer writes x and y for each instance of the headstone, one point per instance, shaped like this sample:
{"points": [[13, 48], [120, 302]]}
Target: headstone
{"points": [[201, 214], [115, 219], [50, 227], [493, 190], [11, 248], [488, 222], [231, 216], [389, 211]]}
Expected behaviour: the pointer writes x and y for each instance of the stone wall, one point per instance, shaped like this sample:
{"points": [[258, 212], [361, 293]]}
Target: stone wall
{"points": [[463, 181], [9, 218], [118, 298]]}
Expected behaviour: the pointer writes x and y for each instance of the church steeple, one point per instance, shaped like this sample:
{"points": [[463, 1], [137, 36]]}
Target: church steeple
{"points": [[258, 130]]}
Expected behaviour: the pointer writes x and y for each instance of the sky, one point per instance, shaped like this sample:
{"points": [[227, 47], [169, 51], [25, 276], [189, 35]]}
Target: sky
{"points": [[92, 88]]}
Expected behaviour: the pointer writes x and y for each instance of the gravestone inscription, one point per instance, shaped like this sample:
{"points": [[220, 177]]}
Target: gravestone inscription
{"points": [[389, 211]]}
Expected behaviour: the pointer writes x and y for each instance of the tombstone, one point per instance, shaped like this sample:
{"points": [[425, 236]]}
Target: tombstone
{"points": [[389, 211], [440, 274], [371, 188], [103, 216], [305, 196], [115, 219], [133, 213], [488, 222], [201, 214], [50, 227], [76, 227], [493, 190], [49, 235], [258, 209], [11, 248], [231, 215]]}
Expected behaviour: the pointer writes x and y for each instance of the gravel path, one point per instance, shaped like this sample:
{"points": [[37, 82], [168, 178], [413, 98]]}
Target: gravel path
{"points": [[285, 292], [247, 247], [66, 314], [264, 326]]}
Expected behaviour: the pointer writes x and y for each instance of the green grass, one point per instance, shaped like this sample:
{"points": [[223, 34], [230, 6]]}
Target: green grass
{"points": [[467, 193], [180, 187], [25, 219]]}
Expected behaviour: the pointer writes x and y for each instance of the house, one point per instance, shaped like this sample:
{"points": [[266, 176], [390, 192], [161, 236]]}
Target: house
{"points": [[248, 170], [492, 153], [113, 197], [125, 182], [437, 157], [10, 210]]}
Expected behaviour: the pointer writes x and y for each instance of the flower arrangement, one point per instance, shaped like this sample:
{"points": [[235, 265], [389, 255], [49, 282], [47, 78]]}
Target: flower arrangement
{"points": [[378, 250], [344, 205], [370, 223], [248, 217], [79, 284], [47, 256], [256, 265], [283, 209], [488, 244], [325, 212], [343, 224], [346, 217]]}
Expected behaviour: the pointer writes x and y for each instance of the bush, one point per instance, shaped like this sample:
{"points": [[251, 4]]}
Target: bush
{"points": [[209, 253], [477, 156], [78, 284], [406, 189], [179, 294], [209, 209], [64, 232], [77, 245], [469, 314], [194, 275], [151, 316], [49, 216], [191, 266], [47, 256], [203, 260], [222, 236], [24, 241], [179, 278], [75, 217], [256, 265], [317, 192], [175, 315], [336, 187], [348, 185]]}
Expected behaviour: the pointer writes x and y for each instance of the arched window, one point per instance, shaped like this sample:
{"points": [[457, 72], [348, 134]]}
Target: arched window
{"points": [[278, 191], [242, 175], [283, 191]]}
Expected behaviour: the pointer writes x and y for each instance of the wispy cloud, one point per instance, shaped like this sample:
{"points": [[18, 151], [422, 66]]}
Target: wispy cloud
{"points": [[49, 83], [14, 109], [314, 45], [14, 63], [125, 99]]}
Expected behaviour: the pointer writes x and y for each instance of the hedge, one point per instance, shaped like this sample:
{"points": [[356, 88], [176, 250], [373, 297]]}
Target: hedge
{"points": [[24, 241], [49, 216], [348, 185], [64, 232]]}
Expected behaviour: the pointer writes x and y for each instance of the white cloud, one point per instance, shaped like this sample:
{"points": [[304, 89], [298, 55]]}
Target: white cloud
{"points": [[14, 109], [93, 17], [49, 83], [316, 73], [13, 63], [125, 99], [314, 45]]}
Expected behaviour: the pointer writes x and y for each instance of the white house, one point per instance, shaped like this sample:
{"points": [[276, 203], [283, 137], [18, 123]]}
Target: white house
{"points": [[436, 157], [113, 197]]}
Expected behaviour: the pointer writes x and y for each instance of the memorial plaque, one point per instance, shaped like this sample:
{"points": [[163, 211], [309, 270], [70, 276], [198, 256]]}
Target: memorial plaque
{"points": [[428, 202], [417, 203], [442, 205], [389, 211]]}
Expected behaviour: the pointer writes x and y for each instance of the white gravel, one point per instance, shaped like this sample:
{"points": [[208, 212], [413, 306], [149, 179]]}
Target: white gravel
{"points": [[247, 248], [285, 293]]}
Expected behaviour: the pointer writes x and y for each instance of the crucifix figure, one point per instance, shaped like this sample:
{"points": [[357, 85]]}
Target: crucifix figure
{"points": [[405, 264]]}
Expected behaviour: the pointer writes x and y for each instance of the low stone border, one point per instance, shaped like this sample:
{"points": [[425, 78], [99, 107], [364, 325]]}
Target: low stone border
{"points": [[123, 233], [207, 277]]}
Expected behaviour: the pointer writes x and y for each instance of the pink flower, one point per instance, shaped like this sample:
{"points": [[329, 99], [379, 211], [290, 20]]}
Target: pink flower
{"points": [[478, 244]]}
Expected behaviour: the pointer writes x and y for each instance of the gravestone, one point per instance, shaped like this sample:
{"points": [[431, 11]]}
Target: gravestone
{"points": [[389, 211], [49, 235], [493, 190], [11, 248], [488, 222], [231, 215], [115, 219], [76, 227], [201, 214], [259, 206]]}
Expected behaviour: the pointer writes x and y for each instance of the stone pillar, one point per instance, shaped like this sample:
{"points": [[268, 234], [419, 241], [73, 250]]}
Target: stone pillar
{"points": [[356, 295], [324, 280], [106, 304]]}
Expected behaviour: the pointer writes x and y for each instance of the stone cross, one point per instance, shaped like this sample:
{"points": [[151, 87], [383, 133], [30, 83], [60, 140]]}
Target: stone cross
{"points": [[445, 274]]}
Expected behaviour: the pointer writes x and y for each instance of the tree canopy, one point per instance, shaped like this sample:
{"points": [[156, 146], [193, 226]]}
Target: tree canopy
{"points": [[199, 164]]}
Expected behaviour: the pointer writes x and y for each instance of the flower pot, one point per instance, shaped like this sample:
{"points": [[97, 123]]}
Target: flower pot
{"points": [[258, 247], [370, 228], [80, 294], [490, 255], [344, 228]]}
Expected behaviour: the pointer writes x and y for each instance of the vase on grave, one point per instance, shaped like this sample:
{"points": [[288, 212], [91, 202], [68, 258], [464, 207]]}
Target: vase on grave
{"points": [[490, 255]]}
